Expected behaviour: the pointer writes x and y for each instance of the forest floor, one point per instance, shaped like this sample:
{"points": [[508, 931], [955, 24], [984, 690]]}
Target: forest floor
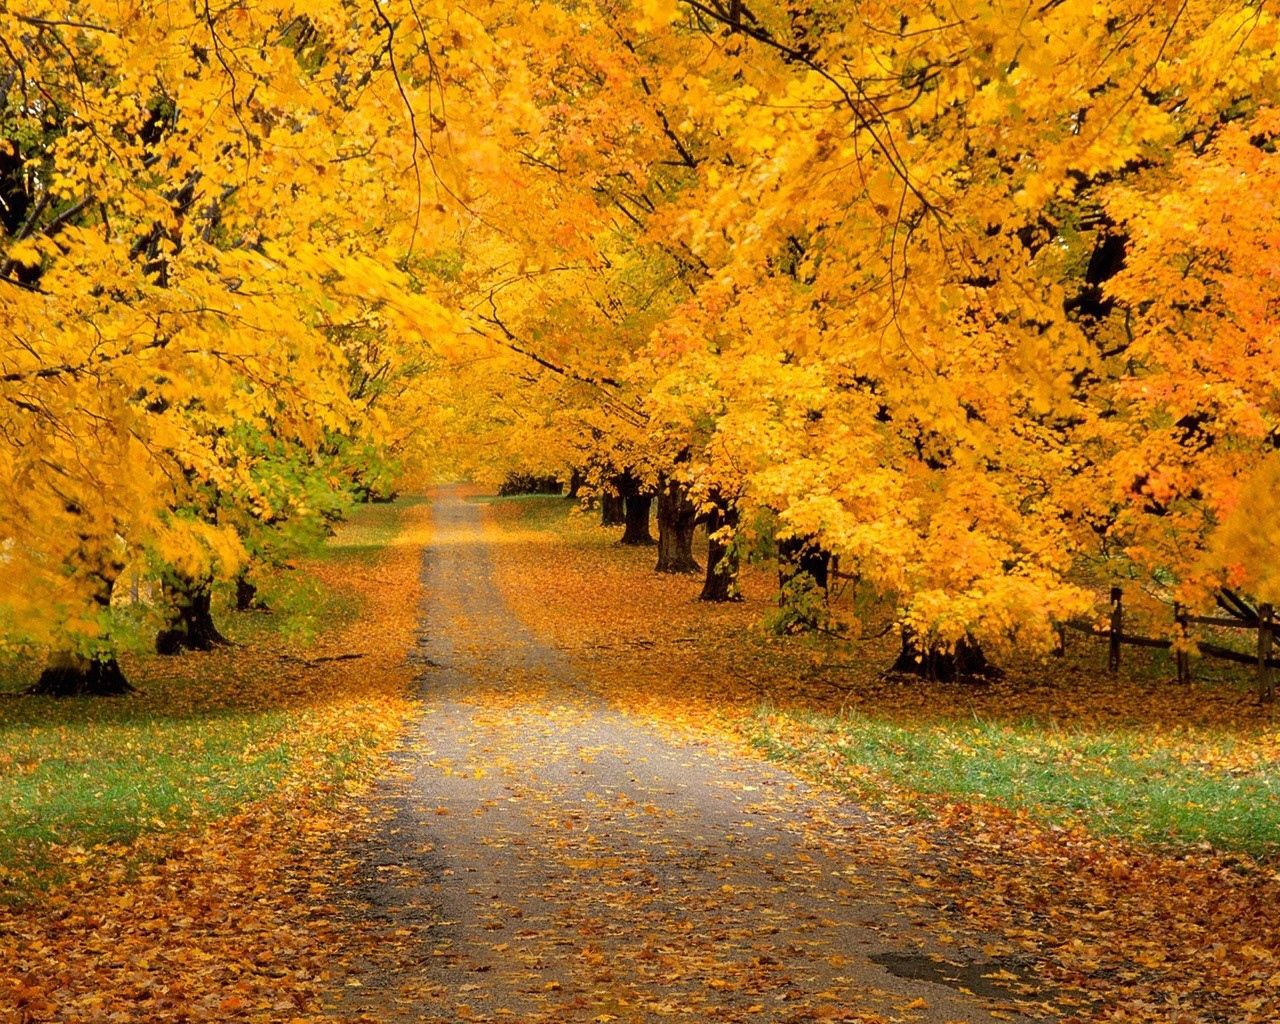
{"points": [[174, 855], [607, 801]]}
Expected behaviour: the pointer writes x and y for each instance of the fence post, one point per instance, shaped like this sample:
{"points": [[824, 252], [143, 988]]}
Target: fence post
{"points": [[1180, 658], [1266, 629], [1117, 628]]}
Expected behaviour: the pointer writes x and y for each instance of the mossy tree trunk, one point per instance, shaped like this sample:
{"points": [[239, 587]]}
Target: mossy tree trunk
{"points": [[721, 582], [677, 519], [191, 626]]}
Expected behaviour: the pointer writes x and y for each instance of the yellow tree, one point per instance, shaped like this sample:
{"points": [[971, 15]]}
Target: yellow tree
{"points": [[910, 234], [192, 201]]}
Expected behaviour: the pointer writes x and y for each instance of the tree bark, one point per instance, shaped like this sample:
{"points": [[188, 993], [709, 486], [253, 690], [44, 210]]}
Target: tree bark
{"points": [[73, 675], [637, 519], [530, 483], [803, 575], [613, 511], [964, 662], [69, 674], [721, 583], [798, 555], [191, 626], [247, 599], [677, 519]]}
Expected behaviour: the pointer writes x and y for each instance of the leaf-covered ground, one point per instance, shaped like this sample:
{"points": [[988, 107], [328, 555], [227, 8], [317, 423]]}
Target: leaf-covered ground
{"points": [[581, 822], [541, 856], [171, 856], [1102, 826]]}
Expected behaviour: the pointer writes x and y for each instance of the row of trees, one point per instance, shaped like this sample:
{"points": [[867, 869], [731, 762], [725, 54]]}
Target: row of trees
{"points": [[195, 372], [978, 298]]}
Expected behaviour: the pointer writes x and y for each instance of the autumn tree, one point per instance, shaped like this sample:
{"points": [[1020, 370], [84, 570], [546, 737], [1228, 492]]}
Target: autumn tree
{"points": [[183, 220], [964, 302]]}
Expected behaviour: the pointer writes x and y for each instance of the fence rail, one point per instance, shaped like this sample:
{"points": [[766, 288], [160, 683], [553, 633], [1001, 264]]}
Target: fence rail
{"points": [[1241, 615]]}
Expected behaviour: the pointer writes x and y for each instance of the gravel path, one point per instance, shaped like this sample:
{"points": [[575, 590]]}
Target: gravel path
{"points": [[545, 858]]}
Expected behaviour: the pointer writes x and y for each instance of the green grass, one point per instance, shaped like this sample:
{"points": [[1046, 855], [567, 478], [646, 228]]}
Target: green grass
{"points": [[1128, 756], [204, 734], [1111, 782], [370, 529], [91, 773], [75, 774]]}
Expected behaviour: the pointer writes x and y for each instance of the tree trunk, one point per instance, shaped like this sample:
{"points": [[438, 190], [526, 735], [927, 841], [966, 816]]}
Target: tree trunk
{"points": [[965, 661], [721, 583], [677, 519], [247, 599], [576, 480], [69, 674], [74, 675], [798, 555], [803, 571], [637, 519], [191, 626], [613, 511]]}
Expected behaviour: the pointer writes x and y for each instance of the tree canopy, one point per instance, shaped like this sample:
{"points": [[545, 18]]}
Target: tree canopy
{"points": [[978, 299]]}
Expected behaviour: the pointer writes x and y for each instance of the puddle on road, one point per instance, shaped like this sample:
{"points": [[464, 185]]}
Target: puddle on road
{"points": [[990, 979]]}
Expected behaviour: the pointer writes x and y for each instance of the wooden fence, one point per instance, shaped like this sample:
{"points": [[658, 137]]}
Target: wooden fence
{"points": [[1239, 615]]}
